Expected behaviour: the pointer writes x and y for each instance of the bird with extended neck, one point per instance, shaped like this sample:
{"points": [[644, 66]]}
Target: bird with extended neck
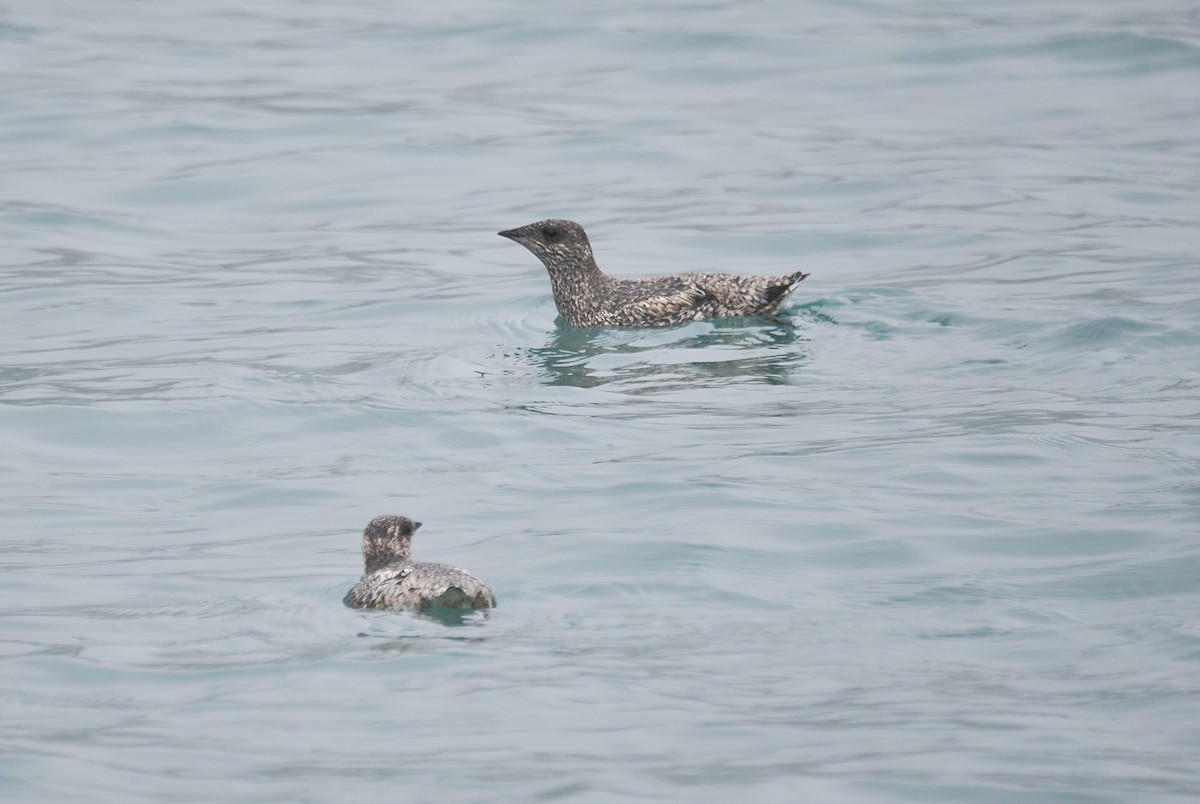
{"points": [[588, 297]]}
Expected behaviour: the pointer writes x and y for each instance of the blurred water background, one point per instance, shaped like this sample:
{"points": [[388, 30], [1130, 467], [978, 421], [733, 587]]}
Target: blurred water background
{"points": [[938, 541]]}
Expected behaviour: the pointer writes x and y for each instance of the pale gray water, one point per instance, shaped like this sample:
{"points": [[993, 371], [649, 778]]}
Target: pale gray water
{"points": [[939, 542]]}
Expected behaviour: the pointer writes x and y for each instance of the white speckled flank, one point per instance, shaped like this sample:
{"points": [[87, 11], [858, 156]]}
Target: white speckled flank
{"points": [[392, 580], [587, 297]]}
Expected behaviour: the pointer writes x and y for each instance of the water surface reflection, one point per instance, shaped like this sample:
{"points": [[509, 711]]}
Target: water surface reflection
{"points": [[659, 359]]}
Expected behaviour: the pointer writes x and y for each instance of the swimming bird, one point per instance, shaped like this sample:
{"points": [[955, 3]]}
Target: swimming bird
{"points": [[587, 297], [392, 580]]}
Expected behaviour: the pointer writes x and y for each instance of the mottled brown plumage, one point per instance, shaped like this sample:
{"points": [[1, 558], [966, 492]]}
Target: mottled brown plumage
{"points": [[392, 580], [587, 297]]}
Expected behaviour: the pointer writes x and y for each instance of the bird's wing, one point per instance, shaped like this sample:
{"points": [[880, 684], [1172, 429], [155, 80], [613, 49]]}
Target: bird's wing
{"points": [[380, 589], [684, 297], [393, 576]]}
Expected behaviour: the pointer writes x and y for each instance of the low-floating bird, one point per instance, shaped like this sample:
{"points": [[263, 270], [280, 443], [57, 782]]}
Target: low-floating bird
{"points": [[588, 297], [392, 580]]}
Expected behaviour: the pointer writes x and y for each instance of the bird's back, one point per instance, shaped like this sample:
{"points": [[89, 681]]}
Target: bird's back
{"points": [[415, 586], [673, 299]]}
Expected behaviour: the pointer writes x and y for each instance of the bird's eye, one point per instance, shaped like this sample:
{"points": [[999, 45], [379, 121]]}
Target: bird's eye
{"points": [[551, 233]]}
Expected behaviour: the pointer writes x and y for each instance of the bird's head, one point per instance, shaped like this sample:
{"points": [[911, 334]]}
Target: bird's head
{"points": [[560, 245], [387, 539]]}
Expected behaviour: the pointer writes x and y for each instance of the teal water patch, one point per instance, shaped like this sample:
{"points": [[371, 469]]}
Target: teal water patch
{"points": [[1122, 52], [60, 220], [10, 31], [1101, 333], [1137, 54]]}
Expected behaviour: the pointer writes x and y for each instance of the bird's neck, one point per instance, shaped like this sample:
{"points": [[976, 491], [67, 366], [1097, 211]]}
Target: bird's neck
{"points": [[581, 278], [378, 559]]}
